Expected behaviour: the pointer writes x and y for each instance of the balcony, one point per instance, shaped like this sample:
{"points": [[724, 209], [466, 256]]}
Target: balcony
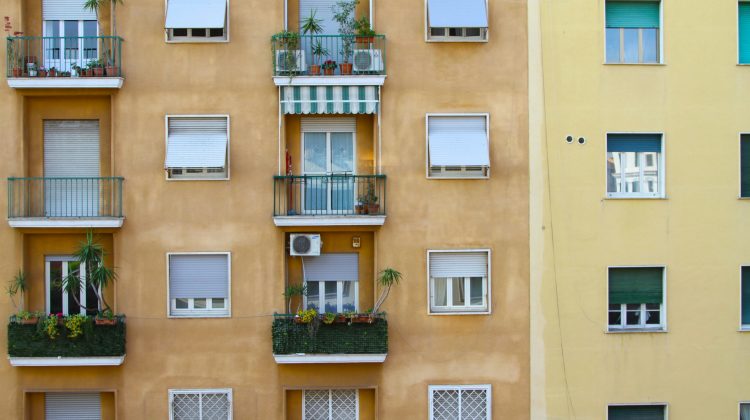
{"points": [[305, 60], [329, 200], [99, 345], [35, 62], [65, 202], [343, 341]]}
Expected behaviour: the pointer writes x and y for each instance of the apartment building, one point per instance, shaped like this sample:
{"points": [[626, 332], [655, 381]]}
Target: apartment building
{"points": [[223, 151], [639, 185]]}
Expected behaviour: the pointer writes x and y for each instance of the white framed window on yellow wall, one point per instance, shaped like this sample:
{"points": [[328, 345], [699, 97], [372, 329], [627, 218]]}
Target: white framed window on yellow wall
{"points": [[745, 410], [448, 402], [200, 404], [458, 146], [633, 32], [197, 147], [197, 20], [635, 165], [199, 284], [636, 298], [458, 281], [456, 20]]}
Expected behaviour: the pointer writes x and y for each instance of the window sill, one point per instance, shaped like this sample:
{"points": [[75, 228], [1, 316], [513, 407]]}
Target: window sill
{"points": [[636, 330], [460, 313], [743, 198], [197, 179], [195, 315], [744, 329], [635, 64], [624, 197], [457, 177], [197, 41], [456, 41]]}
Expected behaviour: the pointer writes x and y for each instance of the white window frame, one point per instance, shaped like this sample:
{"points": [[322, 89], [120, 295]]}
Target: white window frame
{"points": [[484, 32], [329, 170], [465, 310], [201, 392], [65, 259], [743, 327], [330, 400], [485, 387], [662, 327], [660, 38], [205, 170], [339, 295], [458, 169], [661, 168], [661, 404], [225, 312], [169, 39]]}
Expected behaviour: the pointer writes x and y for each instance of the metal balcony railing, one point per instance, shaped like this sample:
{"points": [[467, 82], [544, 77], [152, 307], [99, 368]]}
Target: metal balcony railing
{"points": [[65, 197], [329, 195], [83, 56], [328, 55]]}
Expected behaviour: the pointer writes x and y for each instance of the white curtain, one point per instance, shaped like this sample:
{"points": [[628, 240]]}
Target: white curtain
{"points": [[441, 291]]}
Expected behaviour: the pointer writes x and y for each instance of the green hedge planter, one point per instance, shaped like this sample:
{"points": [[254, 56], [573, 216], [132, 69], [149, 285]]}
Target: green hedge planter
{"points": [[291, 338], [97, 341]]}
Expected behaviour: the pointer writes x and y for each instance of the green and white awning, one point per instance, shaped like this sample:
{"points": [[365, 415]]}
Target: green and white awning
{"points": [[329, 99]]}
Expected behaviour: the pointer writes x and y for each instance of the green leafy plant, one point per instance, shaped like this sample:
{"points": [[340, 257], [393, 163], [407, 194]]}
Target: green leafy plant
{"points": [[343, 14], [369, 196], [96, 5], [49, 326], [311, 25], [90, 255], [362, 27], [386, 279], [328, 318], [24, 315], [294, 290], [74, 324], [17, 286], [318, 51]]}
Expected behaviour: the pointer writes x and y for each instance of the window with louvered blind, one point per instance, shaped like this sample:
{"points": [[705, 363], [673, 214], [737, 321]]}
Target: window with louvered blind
{"points": [[636, 298], [199, 284], [458, 146], [197, 20], [459, 281], [197, 147]]}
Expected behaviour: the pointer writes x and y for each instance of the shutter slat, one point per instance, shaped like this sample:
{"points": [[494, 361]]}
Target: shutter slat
{"points": [[329, 125], [458, 141], [636, 285], [634, 143], [746, 295], [458, 264], [199, 142], [332, 267], [71, 148], [72, 406], [66, 10], [199, 276], [636, 412], [633, 14]]}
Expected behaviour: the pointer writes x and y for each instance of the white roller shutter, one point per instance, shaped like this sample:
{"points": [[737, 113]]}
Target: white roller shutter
{"points": [[66, 10], [323, 11], [329, 125], [196, 14], [72, 406], [458, 141], [458, 264], [457, 13], [199, 276], [197, 142], [332, 267]]}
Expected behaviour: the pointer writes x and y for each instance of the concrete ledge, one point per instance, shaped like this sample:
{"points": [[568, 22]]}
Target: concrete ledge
{"points": [[329, 220], [302, 358], [42, 222], [361, 80], [66, 82], [66, 361]]}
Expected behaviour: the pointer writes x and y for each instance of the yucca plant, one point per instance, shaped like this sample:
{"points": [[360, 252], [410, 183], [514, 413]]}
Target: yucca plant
{"points": [[386, 279], [90, 255], [15, 286], [96, 5]]}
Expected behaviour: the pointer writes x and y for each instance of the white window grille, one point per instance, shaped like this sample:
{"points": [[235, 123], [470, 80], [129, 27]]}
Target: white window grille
{"points": [[209, 404], [330, 404], [460, 402]]}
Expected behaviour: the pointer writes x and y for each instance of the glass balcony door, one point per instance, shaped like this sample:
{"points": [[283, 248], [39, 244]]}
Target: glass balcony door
{"points": [[70, 42], [58, 300], [329, 165]]}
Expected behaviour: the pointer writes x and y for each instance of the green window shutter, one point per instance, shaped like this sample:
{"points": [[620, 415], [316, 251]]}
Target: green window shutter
{"points": [[636, 412], [744, 31], [634, 143], [633, 14], [745, 295], [745, 166], [636, 285]]}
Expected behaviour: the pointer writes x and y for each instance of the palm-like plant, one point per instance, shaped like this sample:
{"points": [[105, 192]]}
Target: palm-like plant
{"points": [[15, 286], [90, 255], [96, 5], [386, 279]]}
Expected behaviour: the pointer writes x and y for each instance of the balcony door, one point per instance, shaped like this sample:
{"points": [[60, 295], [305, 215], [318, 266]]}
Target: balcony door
{"points": [[330, 165], [58, 300], [71, 168], [324, 12], [70, 42]]}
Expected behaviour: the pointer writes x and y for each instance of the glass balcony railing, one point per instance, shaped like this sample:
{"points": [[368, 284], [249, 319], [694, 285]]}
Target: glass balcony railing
{"points": [[86, 197], [328, 55], [85, 56], [329, 195]]}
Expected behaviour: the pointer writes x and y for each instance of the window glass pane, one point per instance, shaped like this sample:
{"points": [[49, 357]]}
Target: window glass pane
{"points": [[89, 43], [614, 164], [217, 303], [52, 46], [216, 32], [455, 32], [477, 295], [181, 303], [199, 303], [437, 31], [459, 293], [315, 153], [331, 292], [92, 301], [613, 45], [653, 317], [342, 152], [74, 271], [55, 283], [633, 317], [651, 172], [473, 32], [179, 32], [615, 316], [348, 297], [199, 32], [440, 294], [632, 171], [630, 36], [71, 40], [650, 45], [313, 295]]}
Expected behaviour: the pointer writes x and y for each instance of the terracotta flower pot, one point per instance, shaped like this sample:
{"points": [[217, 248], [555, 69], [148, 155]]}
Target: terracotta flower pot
{"points": [[104, 321], [17, 72], [89, 72], [328, 72], [30, 321], [314, 70], [113, 71], [98, 71], [340, 319], [365, 39], [42, 73], [53, 73], [362, 319], [373, 208], [346, 68]]}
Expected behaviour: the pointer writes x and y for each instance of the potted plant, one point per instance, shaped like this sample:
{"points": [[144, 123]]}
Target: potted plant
{"points": [[28, 318], [74, 324], [317, 52], [328, 318], [369, 200], [365, 34], [343, 13], [90, 254], [95, 6], [287, 54], [306, 317], [15, 60], [292, 291], [53, 71], [17, 285], [42, 72], [387, 278], [329, 67], [311, 26], [97, 68], [105, 318]]}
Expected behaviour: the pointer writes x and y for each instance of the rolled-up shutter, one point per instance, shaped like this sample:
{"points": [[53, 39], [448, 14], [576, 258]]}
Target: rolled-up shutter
{"points": [[328, 125], [72, 406], [636, 285], [197, 142], [332, 267], [457, 13], [458, 264], [198, 276], [634, 143], [745, 166], [633, 14], [746, 295], [636, 412], [458, 141], [744, 31], [196, 14], [66, 10]]}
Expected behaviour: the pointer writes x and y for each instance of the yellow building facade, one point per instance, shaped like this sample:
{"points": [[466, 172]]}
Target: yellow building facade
{"points": [[636, 118], [200, 145]]}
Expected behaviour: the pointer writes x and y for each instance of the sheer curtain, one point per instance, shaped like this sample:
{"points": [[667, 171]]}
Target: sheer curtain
{"points": [[745, 412], [441, 291]]}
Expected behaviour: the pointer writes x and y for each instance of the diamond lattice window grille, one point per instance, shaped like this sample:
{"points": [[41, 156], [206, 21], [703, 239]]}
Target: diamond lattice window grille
{"points": [[201, 405], [343, 404], [317, 405], [186, 407], [460, 403], [330, 404], [474, 404], [445, 404]]}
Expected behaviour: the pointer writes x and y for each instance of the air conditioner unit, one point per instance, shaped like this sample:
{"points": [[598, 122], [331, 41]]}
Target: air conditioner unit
{"points": [[304, 245], [290, 61], [368, 60]]}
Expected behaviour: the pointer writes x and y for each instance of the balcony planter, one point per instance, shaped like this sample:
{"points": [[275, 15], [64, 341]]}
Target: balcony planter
{"points": [[346, 68], [17, 71], [113, 71], [105, 321], [30, 321], [314, 70]]}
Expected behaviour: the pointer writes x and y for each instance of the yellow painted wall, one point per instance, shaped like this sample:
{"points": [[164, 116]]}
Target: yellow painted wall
{"points": [[699, 232]]}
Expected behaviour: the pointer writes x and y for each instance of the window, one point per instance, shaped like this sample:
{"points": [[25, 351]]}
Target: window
{"points": [[330, 404], [637, 412], [458, 281], [69, 405], [58, 300], [332, 282], [199, 284], [635, 166], [744, 411], [197, 21], [460, 402], [744, 32], [636, 298], [192, 404], [745, 166], [458, 146], [745, 298], [633, 32], [457, 21], [197, 147]]}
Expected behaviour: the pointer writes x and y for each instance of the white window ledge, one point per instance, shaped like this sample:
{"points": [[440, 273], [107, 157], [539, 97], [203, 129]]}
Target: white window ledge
{"points": [[66, 361], [302, 358], [636, 330], [366, 80], [43, 222], [66, 82], [329, 220]]}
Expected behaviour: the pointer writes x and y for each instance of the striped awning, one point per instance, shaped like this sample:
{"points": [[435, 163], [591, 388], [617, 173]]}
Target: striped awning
{"points": [[329, 99]]}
